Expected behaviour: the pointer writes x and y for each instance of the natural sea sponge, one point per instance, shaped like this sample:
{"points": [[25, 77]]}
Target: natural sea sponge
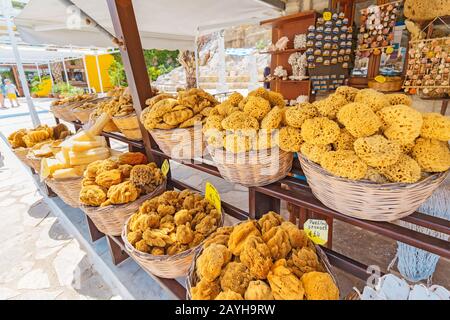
{"points": [[277, 239], [375, 175], [237, 143], [259, 92], [319, 286], [226, 108], [314, 152], [330, 106], [256, 256], [240, 234], [432, 155], [235, 277], [290, 139], [92, 195], [239, 120], [269, 220], [344, 141], [304, 260], [109, 178], [229, 295], [345, 164], [211, 261], [399, 98], [276, 99], [258, 290], [348, 92], [296, 116], [297, 238], [320, 131], [377, 151], [205, 290], [257, 107], [213, 122], [132, 158], [284, 284], [435, 126], [124, 192], [372, 98], [401, 123], [134, 237], [184, 234], [359, 119], [273, 119], [405, 170], [265, 139], [235, 98], [426, 10]]}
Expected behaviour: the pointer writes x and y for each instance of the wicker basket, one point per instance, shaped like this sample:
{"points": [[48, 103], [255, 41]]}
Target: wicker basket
{"points": [[68, 190], [192, 278], [368, 200], [83, 114], [391, 85], [180, 144], [166, 266], [109, 127], [64, 111], [33, 162], [254, 168], [111, 219], [21, 154], [129, 126]]}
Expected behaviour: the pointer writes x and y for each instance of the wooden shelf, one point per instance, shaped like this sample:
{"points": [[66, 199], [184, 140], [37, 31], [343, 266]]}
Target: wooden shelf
{"points": [[290, 18], [288, 81], [283, 51]]}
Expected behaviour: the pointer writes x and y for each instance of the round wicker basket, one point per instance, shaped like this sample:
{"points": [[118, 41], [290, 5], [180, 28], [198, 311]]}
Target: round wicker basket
{"points": [[109, 127], [192, 278], [254, 168], [21, 154], [180, 144], [83, 114], [33, 162], [129, 126], [111, 219], [166, 266], [368, 200], [68, 190], [64, 111]]}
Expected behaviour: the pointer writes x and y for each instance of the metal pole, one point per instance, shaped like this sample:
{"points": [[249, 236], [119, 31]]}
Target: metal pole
{"points": [[99, 73], [196, 60], [222, 85], [50, 74], [38, 72], [86, 73], [65, 71], [7, 6]]}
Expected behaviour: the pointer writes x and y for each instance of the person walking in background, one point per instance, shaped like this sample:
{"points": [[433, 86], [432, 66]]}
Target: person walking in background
{"points": [[2, 94], [11, 93]]}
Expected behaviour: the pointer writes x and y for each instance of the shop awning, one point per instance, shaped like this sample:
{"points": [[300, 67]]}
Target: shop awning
{"points": [[163, 24]]}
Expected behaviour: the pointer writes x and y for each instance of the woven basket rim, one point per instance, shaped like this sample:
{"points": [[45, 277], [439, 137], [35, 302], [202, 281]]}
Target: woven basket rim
{"points": [[173, 129], [164, 257], [210, 147], [132, 114], [370, 184]]}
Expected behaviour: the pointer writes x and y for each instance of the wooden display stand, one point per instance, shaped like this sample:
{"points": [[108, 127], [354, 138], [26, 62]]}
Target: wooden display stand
{"points": [[289, 26]]}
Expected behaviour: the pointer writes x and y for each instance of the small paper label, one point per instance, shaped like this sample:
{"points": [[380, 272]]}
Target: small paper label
{"points": [[165, 167], [317, 231], [380, 79], [327, 16], [213, 196], [389, 50]]}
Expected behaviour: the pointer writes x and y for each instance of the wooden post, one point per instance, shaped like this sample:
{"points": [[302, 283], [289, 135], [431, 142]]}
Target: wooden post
{"points": [[126, 30]]}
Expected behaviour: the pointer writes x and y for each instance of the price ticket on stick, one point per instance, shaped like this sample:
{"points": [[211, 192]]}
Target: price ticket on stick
{"points": [[317, 231], [213, 196], [327, 15], [165, 167]]}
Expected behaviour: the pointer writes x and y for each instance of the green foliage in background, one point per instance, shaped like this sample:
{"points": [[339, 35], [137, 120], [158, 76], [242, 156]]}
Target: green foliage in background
{"points": [[66, 90], [158, 62]]}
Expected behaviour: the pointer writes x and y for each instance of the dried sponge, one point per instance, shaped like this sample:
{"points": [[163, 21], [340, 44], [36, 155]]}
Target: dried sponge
{"points": [[344, 141], [229, 295], [257, 107], [273, 119], [258, 290], [401, 123], [359, 119], [256, 256], [399, 98], [235, 277], [237, 143], [276, 99], [235, 98], [344, 163], [226, 108], [284, 284], [314, 152], [320, 131], [240, 234], [290, 139], [372, 98], [205, 290], [109, 178], [377, 151], [426, 10], [348, 92], [212, 260], [330, 106], [295, 116], [319, 286], [239, 120], [375, 175], [435, 126], [405, 170], [260, 92], [432, 155]]}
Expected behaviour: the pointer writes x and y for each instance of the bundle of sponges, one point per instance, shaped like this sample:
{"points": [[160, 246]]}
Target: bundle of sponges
{"points": [[168, 112], [262, 260], [27, 138], [76, 98], [172, 223], [372, 136], [243, 124], [120, 104], [119, 180]]}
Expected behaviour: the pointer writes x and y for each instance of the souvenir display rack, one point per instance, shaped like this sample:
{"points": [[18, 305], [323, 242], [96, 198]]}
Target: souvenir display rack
{"points": [[261, 199]]}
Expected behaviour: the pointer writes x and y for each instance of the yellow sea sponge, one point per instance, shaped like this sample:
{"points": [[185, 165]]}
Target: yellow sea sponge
{"points": [[405, 170], [235, 98], [276, 99], [290, 139], [226, 108], [229, 295], [319, 286], [359, 119], [257, 107], [372, 98], [432, 155], [344, 163], [314, 152], [265, 139], [258, 290], [377, 151], [330, 106], [375, 175], [284, 284], [273, 119], [399, 98], [320, 131], [239, 120], [348, 92], [435, 126], [295, 116], [205, 290], [344, 141], [260, 92], [236, 143], [401, 123]]}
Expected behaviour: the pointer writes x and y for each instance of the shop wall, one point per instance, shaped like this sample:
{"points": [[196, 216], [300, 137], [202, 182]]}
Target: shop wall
{"points": [[105, 62]]}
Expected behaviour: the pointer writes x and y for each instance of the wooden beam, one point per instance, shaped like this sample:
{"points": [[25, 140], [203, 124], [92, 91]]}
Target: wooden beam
{"points": [[126, 30]]}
